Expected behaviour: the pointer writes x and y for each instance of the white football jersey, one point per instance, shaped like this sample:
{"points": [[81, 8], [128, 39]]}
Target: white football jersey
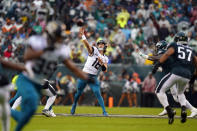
{"points": [[92, 64], [43, 67]]}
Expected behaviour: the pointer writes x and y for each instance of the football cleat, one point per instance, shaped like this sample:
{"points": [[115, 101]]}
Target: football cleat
{"points": [[171, 114], [183, 114], [163, 113], [46, 112], [105, 113], [52, 113], [193, 113]]}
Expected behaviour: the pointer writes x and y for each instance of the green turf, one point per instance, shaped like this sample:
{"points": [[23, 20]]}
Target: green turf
{"points": [[76, 123]]}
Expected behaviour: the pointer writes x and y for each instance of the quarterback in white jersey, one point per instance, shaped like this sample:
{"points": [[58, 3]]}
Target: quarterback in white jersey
{"points": [[41, 59], [92, 64], [95, 61]]}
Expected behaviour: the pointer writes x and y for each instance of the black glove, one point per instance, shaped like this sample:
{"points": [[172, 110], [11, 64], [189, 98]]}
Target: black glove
{"points": [[49, 48], [155, 67], [91, 79]]}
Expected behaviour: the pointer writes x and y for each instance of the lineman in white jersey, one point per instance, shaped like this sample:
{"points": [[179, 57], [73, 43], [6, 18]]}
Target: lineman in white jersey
{"points": [[95, 61], [41, 59]]}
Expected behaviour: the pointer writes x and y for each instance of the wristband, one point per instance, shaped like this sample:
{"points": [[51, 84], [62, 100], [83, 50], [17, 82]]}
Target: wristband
{"points": [[83, 37]]}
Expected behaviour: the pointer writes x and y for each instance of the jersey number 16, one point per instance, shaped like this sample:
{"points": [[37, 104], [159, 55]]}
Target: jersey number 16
{"points": [[96, 64]]}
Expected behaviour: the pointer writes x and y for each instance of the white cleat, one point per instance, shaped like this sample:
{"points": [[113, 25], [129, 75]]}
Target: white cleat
{"points": [[163, 113], [52, 113], [46, 112], [193, 113]]}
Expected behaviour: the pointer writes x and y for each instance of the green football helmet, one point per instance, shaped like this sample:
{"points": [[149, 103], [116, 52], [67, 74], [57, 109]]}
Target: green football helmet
{"points": [[181, 37], [160, 46]]}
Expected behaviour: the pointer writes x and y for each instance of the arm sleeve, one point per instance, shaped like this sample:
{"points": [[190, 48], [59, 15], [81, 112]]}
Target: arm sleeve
{"points": [[37, 43], [64, 52]]}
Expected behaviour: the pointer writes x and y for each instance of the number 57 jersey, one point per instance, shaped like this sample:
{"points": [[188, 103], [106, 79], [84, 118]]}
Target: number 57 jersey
{"points": [[44, 67], [92, 64], [183, 60]]}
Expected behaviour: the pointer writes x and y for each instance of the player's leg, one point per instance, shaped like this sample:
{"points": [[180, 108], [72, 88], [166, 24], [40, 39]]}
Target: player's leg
{"points": [[104, 95], [5, 109], [30, 99], [192, 109], [166, 82], [173, 91], [134, 95], [181, 86], [129, 98], [81, 84], [17, 103], [96, 90], [161, 89], [121, 98], [50, 92]]}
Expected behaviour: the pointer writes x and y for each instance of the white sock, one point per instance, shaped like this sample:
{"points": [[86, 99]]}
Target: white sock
{"points": [[5, 117], [163, 99], [50, 102], [17, 103], [182, 99], [189, 106]]}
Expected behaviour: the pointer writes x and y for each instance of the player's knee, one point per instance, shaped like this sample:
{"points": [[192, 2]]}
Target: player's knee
{"points": [[159, 94]]}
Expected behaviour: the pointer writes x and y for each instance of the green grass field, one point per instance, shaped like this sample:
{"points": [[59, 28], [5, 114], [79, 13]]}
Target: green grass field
{"points": [[79, 123]]}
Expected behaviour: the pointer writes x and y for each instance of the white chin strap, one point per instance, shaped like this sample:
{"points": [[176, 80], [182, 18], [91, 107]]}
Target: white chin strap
{"points": [[100, 49]]}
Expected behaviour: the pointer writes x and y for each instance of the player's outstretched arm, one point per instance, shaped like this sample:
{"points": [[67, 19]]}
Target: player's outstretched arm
{"points": [[11, 65], [75, 70], [165, 56], [152, 58], [32, 54], [86, 43]]}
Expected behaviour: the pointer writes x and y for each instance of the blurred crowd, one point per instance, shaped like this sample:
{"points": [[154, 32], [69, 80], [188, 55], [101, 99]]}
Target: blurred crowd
{"points": [[129, 26]]}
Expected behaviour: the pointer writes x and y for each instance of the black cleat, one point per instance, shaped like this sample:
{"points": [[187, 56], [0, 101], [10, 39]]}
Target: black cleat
{"points": [[171, 117], [183, 114], [171, 114]]}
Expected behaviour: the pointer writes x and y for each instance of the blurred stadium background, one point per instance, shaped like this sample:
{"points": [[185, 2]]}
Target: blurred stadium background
{"points": [[129, 26]]}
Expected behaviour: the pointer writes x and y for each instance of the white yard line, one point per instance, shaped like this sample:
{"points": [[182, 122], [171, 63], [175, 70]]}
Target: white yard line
{"points": [[116, 115]]}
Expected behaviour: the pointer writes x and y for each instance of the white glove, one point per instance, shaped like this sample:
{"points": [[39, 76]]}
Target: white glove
{"points": [[143, 55]]}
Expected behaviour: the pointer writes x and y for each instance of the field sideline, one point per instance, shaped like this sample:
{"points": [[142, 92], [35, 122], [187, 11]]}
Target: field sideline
{"points": [[85, 123]]}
